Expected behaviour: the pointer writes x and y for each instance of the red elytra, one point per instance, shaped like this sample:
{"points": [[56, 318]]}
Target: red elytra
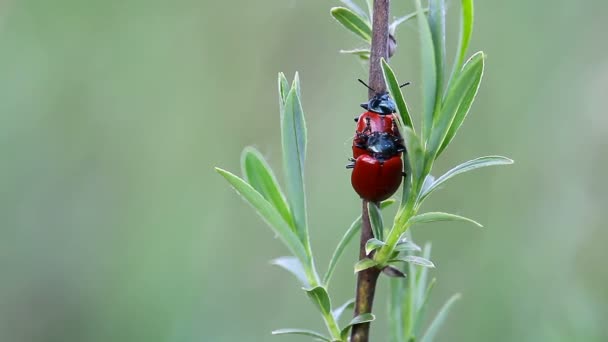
{"points": [[369, 122], [376, 180]]}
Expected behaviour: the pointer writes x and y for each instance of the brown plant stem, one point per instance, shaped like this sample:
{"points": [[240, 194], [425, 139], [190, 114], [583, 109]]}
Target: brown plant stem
{"points": [[380, 46], [367, 279]]}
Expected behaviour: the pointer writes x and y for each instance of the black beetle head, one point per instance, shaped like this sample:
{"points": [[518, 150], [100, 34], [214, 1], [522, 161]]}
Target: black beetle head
{"points": [[382, 144], [381, 104]]}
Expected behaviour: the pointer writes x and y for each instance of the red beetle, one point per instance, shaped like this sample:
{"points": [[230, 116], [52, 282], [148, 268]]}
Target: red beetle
{"points": [[379, 117], [376, 180], [377, 174], [368, 123], [377, 147]]}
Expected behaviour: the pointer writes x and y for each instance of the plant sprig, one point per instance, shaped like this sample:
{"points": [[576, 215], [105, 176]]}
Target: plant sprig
{"points": [[446, 103], [286, 213]]}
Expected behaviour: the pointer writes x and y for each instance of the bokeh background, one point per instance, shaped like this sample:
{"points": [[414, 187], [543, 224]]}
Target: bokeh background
{"points": [[114, 226]]}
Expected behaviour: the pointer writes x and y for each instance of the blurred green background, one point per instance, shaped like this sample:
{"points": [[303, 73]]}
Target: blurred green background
{"points": [[114, 226]]}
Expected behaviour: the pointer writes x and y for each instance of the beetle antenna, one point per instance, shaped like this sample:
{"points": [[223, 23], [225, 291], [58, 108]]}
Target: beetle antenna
{"points": [[365, 84], [404, 84]]}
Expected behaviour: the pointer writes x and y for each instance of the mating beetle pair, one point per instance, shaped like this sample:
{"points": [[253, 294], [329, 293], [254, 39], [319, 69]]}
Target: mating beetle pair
{"points": [[377, 149]]}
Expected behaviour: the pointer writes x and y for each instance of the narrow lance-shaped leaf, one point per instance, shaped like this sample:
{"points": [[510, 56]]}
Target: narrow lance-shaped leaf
{"points": [[424, 306], [260, 176], [320, 298], [268, 213], [363, 318], [293, 132], [437, 26], [364, 264], [414, 259], [362, 53], [422, 277], [375, 219], [294, 266], [340, 310], [355, 8], [409, 317], [348, 236], [407, 246], [395, 91], [462, 168], [466, 31], [353, 22], [395, 310], [370, 8], [461, 112], [393, 26], [283, 90], [304, 332], [429, 70], [428, 181], [469, 78], [429, 335], [415, 155], [439, 216], [372, 244]]}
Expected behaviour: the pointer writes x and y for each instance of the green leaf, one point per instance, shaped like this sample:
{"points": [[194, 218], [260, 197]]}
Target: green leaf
{"points": [[424, 303], [393, 26], [395, 309], [466, 31], [372, 244], [296, 85], [468, 79], [437, 25], [375, 219], [355, 8], [393, 87], [439, 216], [421, 286], [363, 318], [364, 264], [304, 332], [348, 236], [428, 181], [462, 168], [268, 213], [294, 266], [461, 113], [409, 303], [415, 154], [433, 328], [407, 246], [370, 8], [429, 70], [340, 310], [259, 175], [413, 259], [283, 90], [362, 53], [353, 22], [293, 132], [320, 298]]}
